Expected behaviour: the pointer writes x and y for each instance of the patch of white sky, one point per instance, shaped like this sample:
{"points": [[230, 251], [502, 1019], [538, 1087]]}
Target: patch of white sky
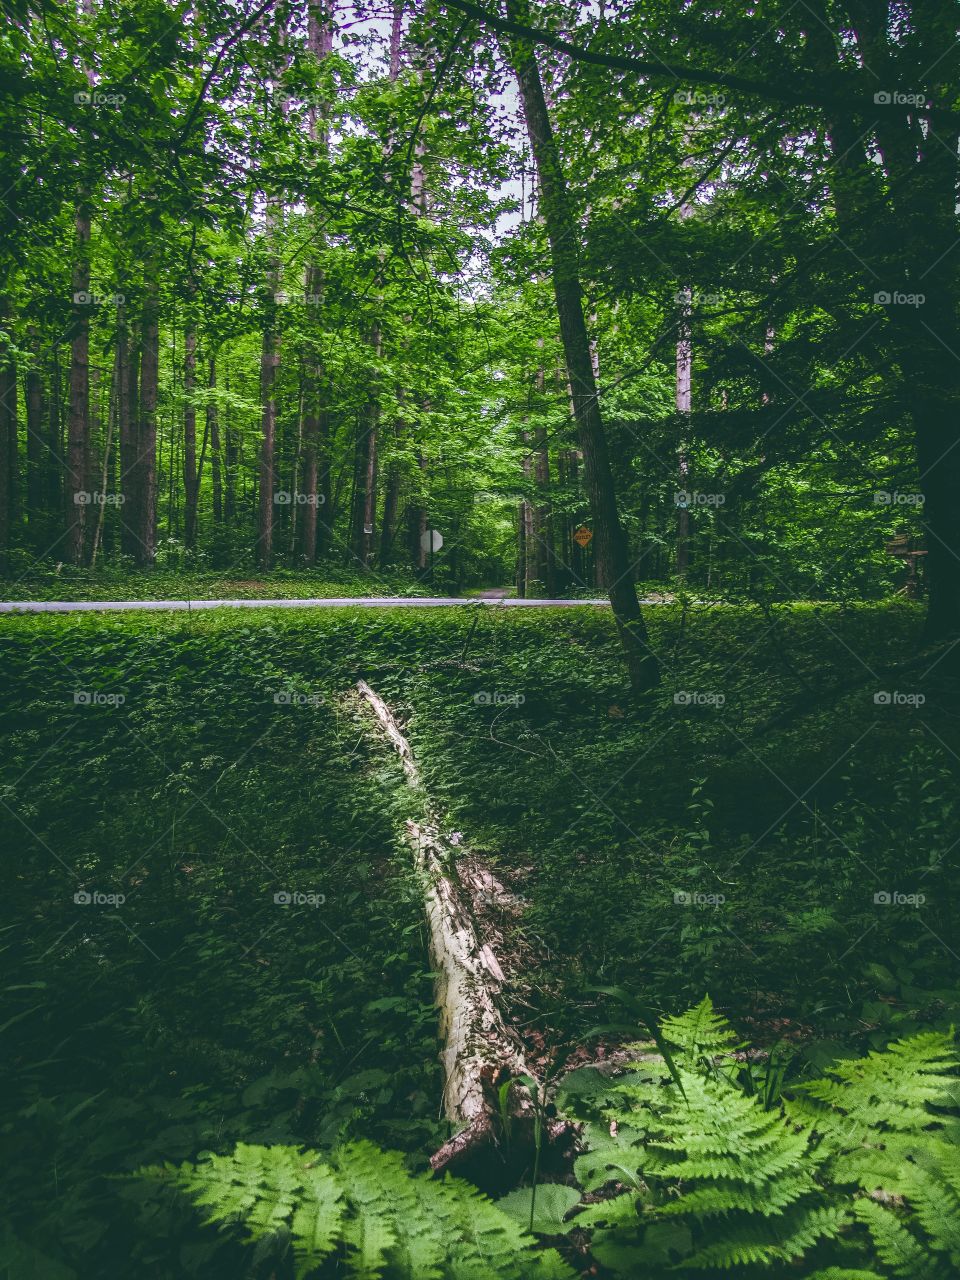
{"points": [[371, 26]]}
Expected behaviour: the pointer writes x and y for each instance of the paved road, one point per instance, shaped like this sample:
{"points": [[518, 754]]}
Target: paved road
{"points": [[358, 602]]}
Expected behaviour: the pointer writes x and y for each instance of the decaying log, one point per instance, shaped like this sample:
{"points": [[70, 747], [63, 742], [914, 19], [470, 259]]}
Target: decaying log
{"points": [[480, 1051]]}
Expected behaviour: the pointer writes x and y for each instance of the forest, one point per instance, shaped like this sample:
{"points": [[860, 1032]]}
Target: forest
{"points": [[480, 639]]}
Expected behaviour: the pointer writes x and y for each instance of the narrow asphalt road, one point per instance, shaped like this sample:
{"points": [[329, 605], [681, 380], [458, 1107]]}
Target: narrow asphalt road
{"points": [[339, 602]]}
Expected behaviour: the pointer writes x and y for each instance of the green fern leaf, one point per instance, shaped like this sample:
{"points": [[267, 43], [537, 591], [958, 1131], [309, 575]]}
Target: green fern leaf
{"points": [[895, 1244], [700, 1033], [317, 1219]]}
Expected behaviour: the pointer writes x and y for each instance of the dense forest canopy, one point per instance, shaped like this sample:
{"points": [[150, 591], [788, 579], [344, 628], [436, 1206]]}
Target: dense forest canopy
{"points": [[280, 288]]}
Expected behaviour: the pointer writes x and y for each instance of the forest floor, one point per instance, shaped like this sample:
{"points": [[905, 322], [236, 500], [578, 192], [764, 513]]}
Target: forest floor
{"points": [[319, 602], [211, 932], [67, 583]]}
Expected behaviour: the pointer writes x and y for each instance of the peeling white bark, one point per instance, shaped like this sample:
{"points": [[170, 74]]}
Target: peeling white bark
{"points": [[480, 1052]]}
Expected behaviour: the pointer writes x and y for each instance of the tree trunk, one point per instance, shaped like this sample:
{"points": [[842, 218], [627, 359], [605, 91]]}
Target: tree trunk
{"points": [[683, 402], [482, 1055], [78, 422], [612, 552], [35, 441], [8, 437], [545, 565], [146, 449], [521, 578], [128, 412], [101, 511], [231, 462], [9, 466], [526, 551], [269, 359], [313, 426], [53, 468], [391, 503], [365, 463], [190, 475], [213, 427]]}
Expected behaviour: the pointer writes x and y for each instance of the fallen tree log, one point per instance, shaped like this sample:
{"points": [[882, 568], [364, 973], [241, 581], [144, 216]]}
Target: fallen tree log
{"points": [[494, 1142]]}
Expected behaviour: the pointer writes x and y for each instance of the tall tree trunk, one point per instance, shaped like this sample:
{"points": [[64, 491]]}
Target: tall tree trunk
{"points": [[561, 231], [8, 434], [523, 524], [128, 413], [100, 513], [417, 523], [269, 359], [35, 441], [391, 503], [190, 475], [312, 430], [231, 462], [917, 214], [146, 454], [314, 420], [365, 472], [213, 426], [683, 402], [53, 486], [526, 551], [545, 558], [78, 422]]}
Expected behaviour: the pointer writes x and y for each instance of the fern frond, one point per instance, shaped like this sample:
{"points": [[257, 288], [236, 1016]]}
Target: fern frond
{"points": [[895, 1244], [317, 1218], [390, 1223], [700, 1033], [377, 1182], [891, 1090]]}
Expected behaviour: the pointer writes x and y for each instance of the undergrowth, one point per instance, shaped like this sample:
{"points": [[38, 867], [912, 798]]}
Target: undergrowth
{"points": [[685, 1172], [211, 762]]}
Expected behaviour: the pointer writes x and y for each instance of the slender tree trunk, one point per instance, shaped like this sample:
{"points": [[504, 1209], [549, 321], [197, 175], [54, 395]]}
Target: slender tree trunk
{"points": [[8, 436], [683, 402], [313, 533], [53, 487], [146, 486], [526, 550], [269, 360], [391, 503], [231, 463], [545, 565], [417, 521], [213, 426], [561, 231], [36, 444], [100, 514], [311, 430], [365, 468], [522, 525], [128, 412], [190, 476], [78, 422]]}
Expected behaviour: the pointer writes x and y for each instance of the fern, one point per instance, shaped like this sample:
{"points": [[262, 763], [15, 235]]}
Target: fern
{"points": [[360, 1212], [700, 1034], [893, 1090], [856, 1178]]}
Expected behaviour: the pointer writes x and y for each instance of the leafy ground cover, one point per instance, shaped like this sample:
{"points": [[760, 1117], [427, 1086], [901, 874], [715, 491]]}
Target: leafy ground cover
{"points": [[68, 583], [205, 933], [771, 826], [800, 867]]}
